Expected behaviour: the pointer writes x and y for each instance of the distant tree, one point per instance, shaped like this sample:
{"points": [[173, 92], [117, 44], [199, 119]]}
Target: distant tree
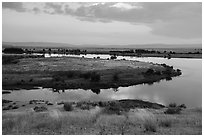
{"points": [[13, 50]]}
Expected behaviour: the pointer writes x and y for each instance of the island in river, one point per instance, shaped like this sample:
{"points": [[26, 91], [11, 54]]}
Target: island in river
{"points": [[74, 73]]}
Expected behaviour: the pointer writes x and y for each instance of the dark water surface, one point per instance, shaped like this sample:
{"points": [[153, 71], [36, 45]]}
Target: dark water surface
{"points": [[186, 88]]}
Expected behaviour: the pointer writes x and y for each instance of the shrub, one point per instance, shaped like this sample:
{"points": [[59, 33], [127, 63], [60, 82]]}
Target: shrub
{"points": [[173, 110], [113, 57], [40, 109], [178, 70], [168, 78], [101, 104], [182, 106], [95, 77], [150, 125], [85, 107], [172, 105], [168, 71], [113, 108], [68, 106]]}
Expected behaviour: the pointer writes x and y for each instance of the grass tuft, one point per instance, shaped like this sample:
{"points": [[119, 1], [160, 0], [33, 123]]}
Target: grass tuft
{"points": [[150, 125]]}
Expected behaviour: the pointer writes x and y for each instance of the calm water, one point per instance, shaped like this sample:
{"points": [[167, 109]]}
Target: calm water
{"points": [[186, 88]]}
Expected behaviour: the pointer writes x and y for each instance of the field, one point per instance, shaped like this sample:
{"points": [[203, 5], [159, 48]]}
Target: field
{"points": [[94, 121]]}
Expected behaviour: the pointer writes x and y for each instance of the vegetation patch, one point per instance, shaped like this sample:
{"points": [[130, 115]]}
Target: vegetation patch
{"points": [[68, 106], [114, 108], [150, 125], [39, 108], [165, 123], [173, 108]]}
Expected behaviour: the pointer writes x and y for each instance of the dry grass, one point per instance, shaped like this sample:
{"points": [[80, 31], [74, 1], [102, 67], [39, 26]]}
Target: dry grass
{"points": [[93, 121]]}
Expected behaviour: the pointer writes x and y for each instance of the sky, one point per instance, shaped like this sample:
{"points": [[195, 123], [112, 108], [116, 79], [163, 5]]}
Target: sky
{"points": [[102, 23]]}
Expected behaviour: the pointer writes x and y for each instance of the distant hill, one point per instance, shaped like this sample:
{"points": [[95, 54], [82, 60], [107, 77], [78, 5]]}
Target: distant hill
{"points": [[66, 45]]}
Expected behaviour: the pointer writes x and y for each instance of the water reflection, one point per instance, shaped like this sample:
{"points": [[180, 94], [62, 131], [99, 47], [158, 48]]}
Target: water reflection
{"points": [[58, 90], [97, 91]]}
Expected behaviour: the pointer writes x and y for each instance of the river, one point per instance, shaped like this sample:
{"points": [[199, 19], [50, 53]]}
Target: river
{"points": [[184, 89]]}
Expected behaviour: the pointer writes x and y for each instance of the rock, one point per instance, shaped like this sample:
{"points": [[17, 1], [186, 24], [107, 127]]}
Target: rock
{"points": [[39, 109]]}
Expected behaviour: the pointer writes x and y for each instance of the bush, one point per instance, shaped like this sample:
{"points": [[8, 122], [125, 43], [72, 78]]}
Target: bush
{"points": [[150, 125], [173, 110], [113, 108], [178, 70], [40, 109], [168, 71], [168, 78], [172, 105], [85, 107], [182, 106], [68, 106], [95, 77]]}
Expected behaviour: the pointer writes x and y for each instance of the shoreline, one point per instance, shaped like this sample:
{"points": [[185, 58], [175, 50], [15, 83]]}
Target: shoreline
{"points": [[176, 55], [100, 118]]}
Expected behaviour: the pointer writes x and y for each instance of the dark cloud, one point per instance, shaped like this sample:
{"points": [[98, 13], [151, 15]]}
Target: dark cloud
{"points": [[17, 6], [182, 20], [174, 19], [56, 8]]}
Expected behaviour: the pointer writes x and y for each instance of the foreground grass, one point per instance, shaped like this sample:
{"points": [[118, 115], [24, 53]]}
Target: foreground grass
{"points": [[94, 121]]}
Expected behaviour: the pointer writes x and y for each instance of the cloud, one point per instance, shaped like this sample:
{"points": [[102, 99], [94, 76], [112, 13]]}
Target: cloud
{"points": [[56, 8], [172, 19], [17, 6]]}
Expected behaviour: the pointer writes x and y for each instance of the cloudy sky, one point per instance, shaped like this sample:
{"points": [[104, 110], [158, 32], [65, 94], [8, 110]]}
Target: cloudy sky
{"points": [[102, 23]]}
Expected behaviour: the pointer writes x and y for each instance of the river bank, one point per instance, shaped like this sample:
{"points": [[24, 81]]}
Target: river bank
{"points": [[95, 120]]}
